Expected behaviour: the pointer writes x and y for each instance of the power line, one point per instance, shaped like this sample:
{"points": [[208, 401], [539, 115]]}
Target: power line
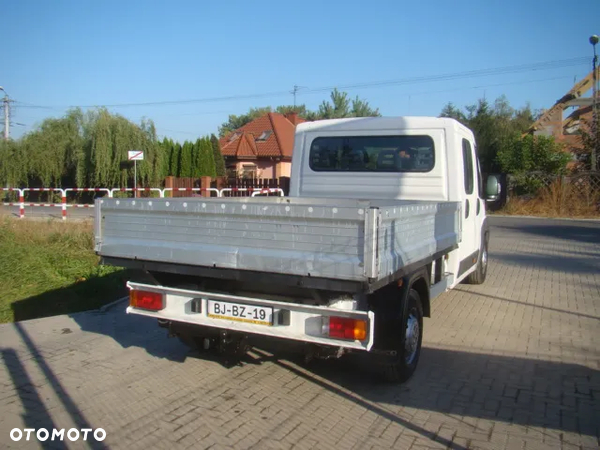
{"points": [[547, 65], [170, 102], [491, 85], [538, 80], [30, 105], [409, 95], [467, 74]]}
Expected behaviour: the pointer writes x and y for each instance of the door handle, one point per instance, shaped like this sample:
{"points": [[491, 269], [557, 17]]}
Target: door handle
{"points": [[478, 206], [467, 208]]}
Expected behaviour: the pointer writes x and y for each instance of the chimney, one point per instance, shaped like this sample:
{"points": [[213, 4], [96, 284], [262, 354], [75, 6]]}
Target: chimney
{"points": [[292, 117]]}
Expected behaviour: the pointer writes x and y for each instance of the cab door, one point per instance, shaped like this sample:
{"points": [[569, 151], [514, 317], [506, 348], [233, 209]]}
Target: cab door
{"points": [[472, 209]]}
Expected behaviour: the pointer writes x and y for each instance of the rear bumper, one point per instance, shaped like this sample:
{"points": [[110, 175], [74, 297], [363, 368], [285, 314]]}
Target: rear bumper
{"points": [[291, 320]]}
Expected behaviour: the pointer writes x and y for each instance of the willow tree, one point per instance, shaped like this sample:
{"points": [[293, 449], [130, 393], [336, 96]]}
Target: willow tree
{"points": [[151, 169], [52, 153], [14, 164], [110, 139], [82, 149], [100, 152]]}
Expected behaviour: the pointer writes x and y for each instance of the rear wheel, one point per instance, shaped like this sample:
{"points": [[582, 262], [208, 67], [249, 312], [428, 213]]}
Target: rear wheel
{"points": [[410, 338], [478, 276]]}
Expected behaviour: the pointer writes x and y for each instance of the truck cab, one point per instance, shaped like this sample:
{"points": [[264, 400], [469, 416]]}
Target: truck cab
{"points": [[400, 158]]}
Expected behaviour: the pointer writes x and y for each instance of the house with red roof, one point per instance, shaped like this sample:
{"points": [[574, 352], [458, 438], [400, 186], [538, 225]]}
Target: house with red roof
{"points": [[262, 148]]}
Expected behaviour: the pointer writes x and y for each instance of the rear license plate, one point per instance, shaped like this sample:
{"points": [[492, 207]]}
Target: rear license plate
{"points": [[241, 313]]}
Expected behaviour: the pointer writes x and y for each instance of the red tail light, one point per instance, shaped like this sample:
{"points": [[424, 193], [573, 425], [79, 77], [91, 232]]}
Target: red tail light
{"points": [[146, 300], [346, 328]]}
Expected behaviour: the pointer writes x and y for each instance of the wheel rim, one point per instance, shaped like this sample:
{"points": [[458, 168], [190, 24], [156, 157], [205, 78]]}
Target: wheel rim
{"points": [[484, 259], [411, 344]]}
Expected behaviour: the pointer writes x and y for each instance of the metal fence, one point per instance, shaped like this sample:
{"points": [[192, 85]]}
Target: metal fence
{"points": [[585, 183], [18, 197], [239, 186]]}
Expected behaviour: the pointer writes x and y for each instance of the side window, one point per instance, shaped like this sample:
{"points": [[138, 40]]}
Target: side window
{"points": [[468, 166], [479, 177]]}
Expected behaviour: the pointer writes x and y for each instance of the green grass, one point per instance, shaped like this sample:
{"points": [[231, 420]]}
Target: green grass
{"points": [[49, 268]]}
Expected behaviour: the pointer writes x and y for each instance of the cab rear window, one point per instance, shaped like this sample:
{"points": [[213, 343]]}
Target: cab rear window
{"points": [[372, 154]]}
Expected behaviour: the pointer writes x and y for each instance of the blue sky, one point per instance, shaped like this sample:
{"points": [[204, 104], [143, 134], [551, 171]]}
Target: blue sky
{"points": [[63, 53]]}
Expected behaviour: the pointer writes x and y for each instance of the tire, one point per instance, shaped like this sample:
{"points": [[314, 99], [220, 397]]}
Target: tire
{"points": [[478, 276], [410, 339]]}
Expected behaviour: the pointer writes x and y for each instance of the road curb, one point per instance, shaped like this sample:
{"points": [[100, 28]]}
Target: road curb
{"points": [[112, 304], [509, 216]]}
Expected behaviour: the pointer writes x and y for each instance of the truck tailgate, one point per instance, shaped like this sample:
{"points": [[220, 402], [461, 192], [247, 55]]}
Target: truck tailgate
{"points": [[326, 238]]}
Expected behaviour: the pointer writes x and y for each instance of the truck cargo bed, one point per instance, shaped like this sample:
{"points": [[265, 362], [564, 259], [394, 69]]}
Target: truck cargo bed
{"points": [[353, 240]]}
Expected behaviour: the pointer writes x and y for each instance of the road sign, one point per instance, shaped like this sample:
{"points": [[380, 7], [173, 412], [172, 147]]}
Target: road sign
{"points": [[135, 155]]}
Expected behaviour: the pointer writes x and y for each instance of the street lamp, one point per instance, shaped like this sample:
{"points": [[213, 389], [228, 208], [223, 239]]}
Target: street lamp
{"points": [[596, 140]]}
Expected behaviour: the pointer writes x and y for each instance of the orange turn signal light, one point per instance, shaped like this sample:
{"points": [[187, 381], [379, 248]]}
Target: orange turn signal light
{"points": [[347, 328]]}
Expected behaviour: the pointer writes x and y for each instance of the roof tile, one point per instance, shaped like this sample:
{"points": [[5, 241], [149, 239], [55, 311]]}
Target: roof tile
{"points": [[243, 143]]}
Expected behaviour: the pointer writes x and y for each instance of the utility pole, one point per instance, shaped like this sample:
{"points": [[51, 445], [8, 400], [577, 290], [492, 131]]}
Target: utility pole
{"points": [[295, 90], [596, 137], [6, 107]]}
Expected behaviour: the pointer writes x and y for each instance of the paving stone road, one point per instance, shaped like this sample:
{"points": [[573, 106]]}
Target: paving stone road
{"points": [[48, 212], [513, 364]]}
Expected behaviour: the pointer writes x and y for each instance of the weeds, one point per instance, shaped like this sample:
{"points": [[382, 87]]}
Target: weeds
{"points": [[557, 200], [49, 268]]}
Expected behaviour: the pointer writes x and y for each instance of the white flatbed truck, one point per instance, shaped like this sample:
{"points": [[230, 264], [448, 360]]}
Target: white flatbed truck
{"points": [[383, 215]]}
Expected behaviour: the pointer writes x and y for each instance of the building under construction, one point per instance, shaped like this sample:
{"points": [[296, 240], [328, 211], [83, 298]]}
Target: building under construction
{"points": [[567, 130]]}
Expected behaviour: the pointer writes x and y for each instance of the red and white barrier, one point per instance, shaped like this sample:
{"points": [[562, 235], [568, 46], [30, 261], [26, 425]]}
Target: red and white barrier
{"points": [[51, 205], [108, 191], [43, 189], [21, 203], [226, 192], [63, 199], [161, 192], [83, 205]]}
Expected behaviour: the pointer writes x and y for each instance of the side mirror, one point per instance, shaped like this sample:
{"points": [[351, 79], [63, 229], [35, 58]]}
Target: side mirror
{"points": [[492, 188]]}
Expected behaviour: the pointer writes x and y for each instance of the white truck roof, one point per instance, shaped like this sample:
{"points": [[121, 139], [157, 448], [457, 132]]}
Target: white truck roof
{"points": [[431, 185], [381, 123]]}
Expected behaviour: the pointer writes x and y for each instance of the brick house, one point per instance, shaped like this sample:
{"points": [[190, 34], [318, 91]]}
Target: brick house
{"points": [[566, 131], [263, 147]]}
